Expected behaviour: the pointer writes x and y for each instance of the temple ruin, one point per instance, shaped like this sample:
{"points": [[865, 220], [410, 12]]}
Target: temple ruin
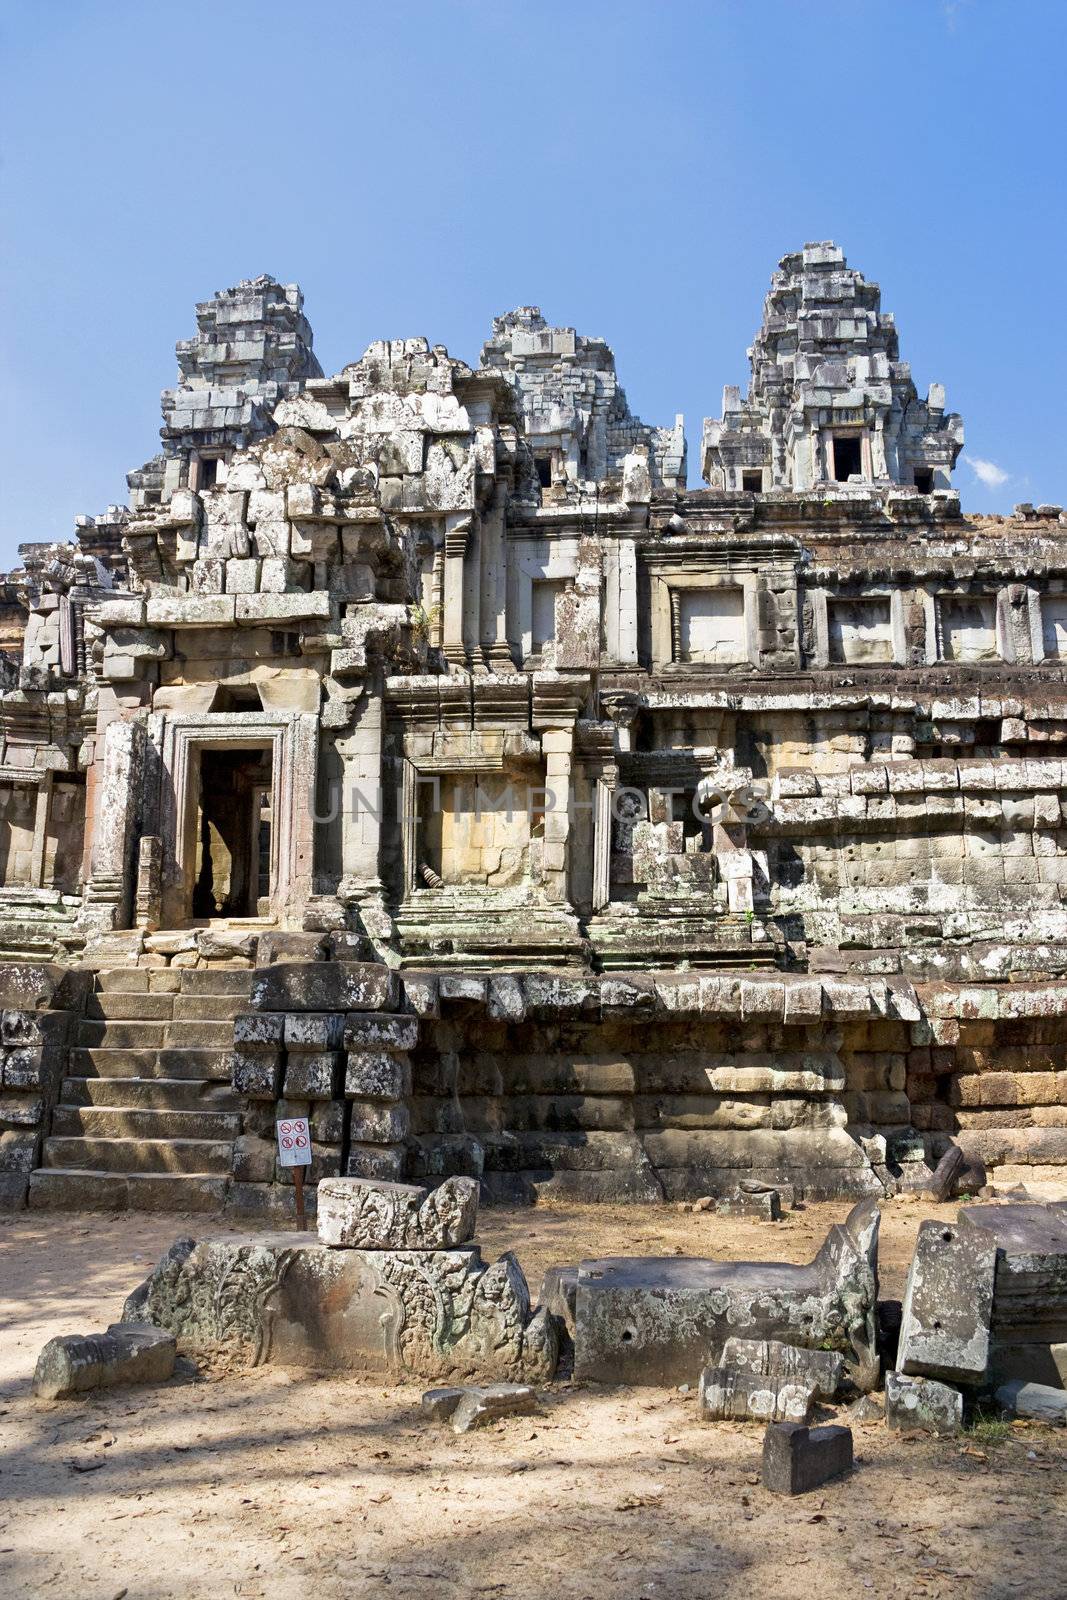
{"points": [[418, 753]]}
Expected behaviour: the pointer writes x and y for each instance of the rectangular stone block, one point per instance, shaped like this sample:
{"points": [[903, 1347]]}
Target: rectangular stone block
{"points": [[819, 1370], [325, 986], [258, 1076], [309, 1030], [948, 1304], [312, 1074], [259, 1030], [375, 1123], [732, 1393], [384, 1161], [797, 1459], [375, 1030], [377, 1075], [922, 1403]]}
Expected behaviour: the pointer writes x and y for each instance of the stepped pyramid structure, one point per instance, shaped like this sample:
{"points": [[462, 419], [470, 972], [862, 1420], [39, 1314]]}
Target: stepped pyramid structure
{"points": [[418, 752]]}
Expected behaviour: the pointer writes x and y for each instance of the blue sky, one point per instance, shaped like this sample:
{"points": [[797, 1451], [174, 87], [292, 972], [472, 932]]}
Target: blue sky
{"points": [[635, 169]]}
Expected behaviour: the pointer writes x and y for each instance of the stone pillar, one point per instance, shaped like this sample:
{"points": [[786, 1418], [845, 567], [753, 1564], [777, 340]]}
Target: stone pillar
{"points": [[40, 830], [495, 651], [457, 535], [605, 788], [108, 893], [558, 747], [362, 797]]}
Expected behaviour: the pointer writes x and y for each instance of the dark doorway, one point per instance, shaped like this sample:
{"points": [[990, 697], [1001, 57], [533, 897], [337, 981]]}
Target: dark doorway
{"points": [[847, 456], [233, 834], [924, 480]]}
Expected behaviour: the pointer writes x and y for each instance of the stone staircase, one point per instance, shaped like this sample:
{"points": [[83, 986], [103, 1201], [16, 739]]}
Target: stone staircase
{"points": [[146, 1118]]}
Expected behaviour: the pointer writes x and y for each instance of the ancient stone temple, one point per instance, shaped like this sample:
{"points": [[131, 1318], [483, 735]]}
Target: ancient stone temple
{"points": [[418, 752]]}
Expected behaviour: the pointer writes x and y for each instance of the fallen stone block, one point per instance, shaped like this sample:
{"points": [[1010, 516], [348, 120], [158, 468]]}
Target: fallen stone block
{"points": [[1035, 1400], [922, 1403], [730, 1394], [559, 1289], [357, 1213], [1030, 1287], [661, 1320], [797, 1458], [439, 1404], [946, 1175], [480, 1406], [764, 1204], [948, 1304], [866, 1410], [281, 1297], [126, 1353], [819, 1370]]}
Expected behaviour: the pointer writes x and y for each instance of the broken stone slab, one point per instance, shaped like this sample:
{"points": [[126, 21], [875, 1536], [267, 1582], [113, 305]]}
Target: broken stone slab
{"points": [[820, 1370], [357, 1213], [1035, 1400], [948, 1304], [866, 1410], [733, 1394], [127, 1353], [468, 1408], [286, 1298], [661, 1320], [922, 1403], [797, 1458], [559, 1290]]}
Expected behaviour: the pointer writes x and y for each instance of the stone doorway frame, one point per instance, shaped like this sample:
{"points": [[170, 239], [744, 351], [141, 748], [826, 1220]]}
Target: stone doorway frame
{"points": [[292, 739]]}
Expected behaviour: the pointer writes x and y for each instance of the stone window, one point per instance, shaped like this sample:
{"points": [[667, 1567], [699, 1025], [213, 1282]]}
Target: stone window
{"points": [[208, 472], [924, 479], [543, 612], [1054, 625], [968, 627], [752, 480], [543, 465], [710, 625], [848, 456], [860, 631]]}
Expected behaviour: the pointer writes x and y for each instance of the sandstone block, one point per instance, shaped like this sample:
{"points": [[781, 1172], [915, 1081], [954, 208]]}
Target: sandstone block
{"points": [[922, 1403], [948, 1304], [443, 1315], [325, 986], [355, 1213], [376, 1075], [797, 1459], [1035, 1400], [126, 1353], [819, 1370], [375, 1122], [727, 1393]]}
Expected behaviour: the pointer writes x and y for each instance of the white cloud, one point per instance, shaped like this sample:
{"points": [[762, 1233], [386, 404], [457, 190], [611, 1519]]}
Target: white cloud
{"points": [[987, 472]]}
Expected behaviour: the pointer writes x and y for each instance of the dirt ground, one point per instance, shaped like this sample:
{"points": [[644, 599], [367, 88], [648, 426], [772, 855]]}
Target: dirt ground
{"points": [[278, 1485]]}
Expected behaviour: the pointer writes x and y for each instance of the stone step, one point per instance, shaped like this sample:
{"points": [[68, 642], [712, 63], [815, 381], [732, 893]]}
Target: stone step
{"points": [[199, 1036], [151, 1094], [203, 1156], [122, 1035], [115, 1005], [123, 980], [56, 1189], [209, 1007], [217, 980], [103, 1062], [139, 1122]]}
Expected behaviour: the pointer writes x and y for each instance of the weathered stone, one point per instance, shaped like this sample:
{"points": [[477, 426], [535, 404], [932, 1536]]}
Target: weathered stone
{"points": [[128, 1352], [283, 1298], [797, 1459], [478, 1407], [764, 1204], [922, 1403], [324, 986], [359, 1214], [1035, 1400], [732, 1392], [820, 1370], [661, 1320], [948, 1304], [380, 1162]]}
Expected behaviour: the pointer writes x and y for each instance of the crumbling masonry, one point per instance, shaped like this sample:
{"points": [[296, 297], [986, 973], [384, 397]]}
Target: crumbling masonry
{"points": [[418, 751]]}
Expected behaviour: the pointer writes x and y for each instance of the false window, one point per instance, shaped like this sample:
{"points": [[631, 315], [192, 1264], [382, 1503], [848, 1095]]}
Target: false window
{"points": [[848, 456]]}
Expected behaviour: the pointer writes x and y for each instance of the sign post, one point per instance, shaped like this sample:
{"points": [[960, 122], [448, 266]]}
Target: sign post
{"points": [[294, 1150]]}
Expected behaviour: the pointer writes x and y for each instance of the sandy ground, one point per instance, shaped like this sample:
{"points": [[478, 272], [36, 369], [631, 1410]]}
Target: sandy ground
{"points": [[280, 1485]]}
